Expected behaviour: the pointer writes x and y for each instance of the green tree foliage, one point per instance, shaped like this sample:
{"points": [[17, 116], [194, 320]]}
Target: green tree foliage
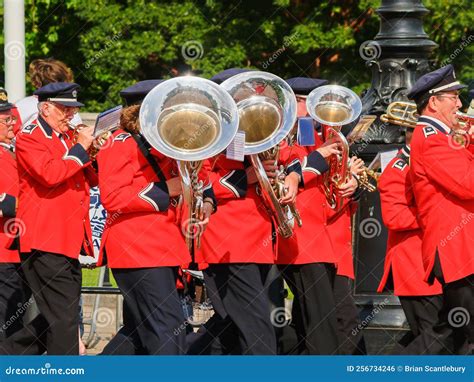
{"points": [[112, 44]]}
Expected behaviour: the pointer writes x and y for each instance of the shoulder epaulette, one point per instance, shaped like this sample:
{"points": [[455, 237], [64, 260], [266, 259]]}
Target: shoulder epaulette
{"points": [[400, 164], [122, 137], [29, 129], [429, 130]]}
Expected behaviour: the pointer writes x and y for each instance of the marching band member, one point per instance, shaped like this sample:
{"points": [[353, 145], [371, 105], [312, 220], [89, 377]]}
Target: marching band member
{"points": [[53, 220], [12, 294], [142, 242], [42, 72], [403, 269], [339, 226], [442, 174], [307, 259], [238, 248]]}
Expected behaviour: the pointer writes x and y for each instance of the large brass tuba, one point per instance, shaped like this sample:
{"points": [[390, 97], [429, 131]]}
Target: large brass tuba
{"points": [[189, 119], [267, 110], [334, 106]]}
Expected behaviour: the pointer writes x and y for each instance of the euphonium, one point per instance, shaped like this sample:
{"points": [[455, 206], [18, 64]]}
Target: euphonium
{"points": [[267, 110], [189, 119], [334, 106]]}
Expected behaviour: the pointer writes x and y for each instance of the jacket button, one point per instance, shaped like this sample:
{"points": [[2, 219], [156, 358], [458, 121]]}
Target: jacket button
{"points": [[78, 185]]}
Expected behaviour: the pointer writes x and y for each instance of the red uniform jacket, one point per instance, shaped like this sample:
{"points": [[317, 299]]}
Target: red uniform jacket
{"points": [[241, 229], [403, 261], [442, 174], [311, 242], [55, 177], [8, 195], [141, 229]]}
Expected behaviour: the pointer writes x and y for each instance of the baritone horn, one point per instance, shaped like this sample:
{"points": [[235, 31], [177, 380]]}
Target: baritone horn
{"points": [[267, 113], [334, 106], [189, 119], [401, 113]]}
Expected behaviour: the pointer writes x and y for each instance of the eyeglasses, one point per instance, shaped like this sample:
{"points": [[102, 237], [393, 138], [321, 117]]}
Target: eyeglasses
{"points": [[452, 96], [9, 120], [69, 110]]}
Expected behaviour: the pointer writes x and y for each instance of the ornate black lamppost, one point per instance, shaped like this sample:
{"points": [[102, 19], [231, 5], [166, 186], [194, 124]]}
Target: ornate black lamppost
{"points": [[398, 56]]}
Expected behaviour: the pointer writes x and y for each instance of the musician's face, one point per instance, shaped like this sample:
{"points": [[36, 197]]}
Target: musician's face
{"points": [[7, 121], [301, 106], [446, 105], [58, 116]]}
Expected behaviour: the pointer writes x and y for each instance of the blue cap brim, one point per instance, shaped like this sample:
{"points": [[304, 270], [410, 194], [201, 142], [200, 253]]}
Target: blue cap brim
{"points": [[69, 103]]}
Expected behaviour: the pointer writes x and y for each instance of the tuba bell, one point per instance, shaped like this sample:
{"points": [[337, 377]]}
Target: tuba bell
{"points": [[334, 106], [189, 119], [267, 113]]}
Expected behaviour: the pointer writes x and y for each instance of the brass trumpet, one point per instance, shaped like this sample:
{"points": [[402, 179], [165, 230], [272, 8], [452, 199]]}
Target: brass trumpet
{"points": [[364, 179], [461, 134], [98, 141], [466, 121]]}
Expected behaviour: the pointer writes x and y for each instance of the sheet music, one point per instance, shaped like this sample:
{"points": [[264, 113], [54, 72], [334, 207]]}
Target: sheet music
{"points": [[386, 157], [235, 150], [107, 120]]}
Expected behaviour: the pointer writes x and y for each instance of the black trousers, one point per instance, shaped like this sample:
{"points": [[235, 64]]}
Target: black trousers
{"points": [[154, 321], [314, 307], [422, 315], [13, 299], [239, 296], [457, 312], [351, 340], [126, 341], [218, 336], [55, 281], [453, 332]]}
